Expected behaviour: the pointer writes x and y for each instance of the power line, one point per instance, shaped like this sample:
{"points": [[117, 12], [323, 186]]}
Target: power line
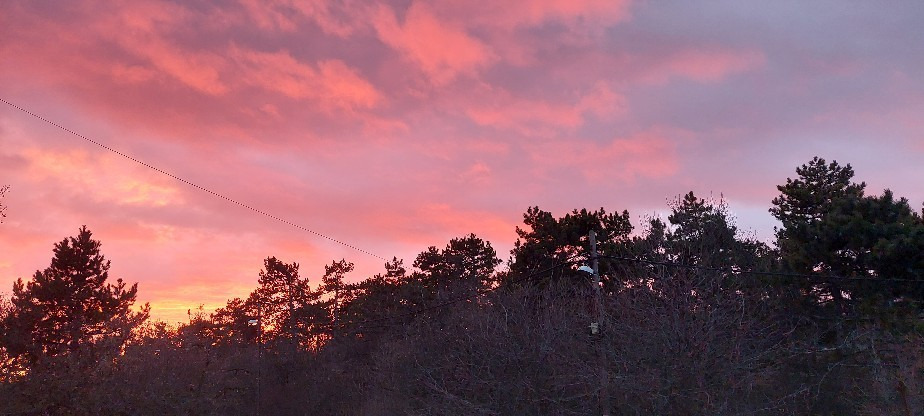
{"points": [[569, 260], [451, 301], [201, 188], [758, 272]]}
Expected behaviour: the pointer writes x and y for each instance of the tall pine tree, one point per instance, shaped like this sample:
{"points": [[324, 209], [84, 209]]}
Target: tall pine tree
{"points": [[69, 306], [830, 227]]}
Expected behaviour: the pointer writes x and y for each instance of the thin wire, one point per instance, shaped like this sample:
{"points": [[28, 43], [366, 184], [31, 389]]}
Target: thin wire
{"points": [[452, 301], [209, 191], [619, 258], [758, 272]]}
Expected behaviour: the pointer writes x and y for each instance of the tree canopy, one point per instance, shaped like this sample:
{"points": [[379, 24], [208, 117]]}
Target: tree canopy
{"points": [[70, 304], [831, 228], [694, 316]]}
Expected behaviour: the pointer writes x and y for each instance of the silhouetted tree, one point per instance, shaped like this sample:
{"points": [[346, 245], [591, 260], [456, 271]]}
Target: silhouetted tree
{"points": [[831, 228], [231, 324], [700, 233], [70, 305], [548, 241], [690, 331], [8, 368], [334, 285], [466, 264], [703, 233], [877, 238], [803, 204], [281, 299], [374, 305]]}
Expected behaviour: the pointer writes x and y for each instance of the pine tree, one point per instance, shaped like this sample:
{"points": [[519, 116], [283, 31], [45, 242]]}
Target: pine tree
{"points": [[467, 259], [831, 228], [547, 242], [281, 296], [69, 306]]}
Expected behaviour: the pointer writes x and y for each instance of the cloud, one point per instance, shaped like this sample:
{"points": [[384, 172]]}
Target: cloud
{"points": [[648, 154], [101, 179], [331, 83], [141, 31], [525, 116], [200, 71], [447, 40], [271, 15], [443, 50], [398, 125], [333, 18], [501, 109], [704, 65], [476, 173]]}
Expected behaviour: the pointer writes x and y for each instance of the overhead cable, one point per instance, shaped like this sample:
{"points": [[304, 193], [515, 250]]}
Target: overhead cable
{"points": [[444, 304], [198, 187], [757, 272]]}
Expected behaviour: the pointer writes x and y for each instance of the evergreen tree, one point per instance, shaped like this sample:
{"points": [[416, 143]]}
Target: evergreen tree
{"points": [[280, 297], [700, 235], [468, 260], [382, 295], [70, 306], [832, 229], [702, 232], [334, 285], [232, 325], [878, 238], [804, 203], [548, 242]]}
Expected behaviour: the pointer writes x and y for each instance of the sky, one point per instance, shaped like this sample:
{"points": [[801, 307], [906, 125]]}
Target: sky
{"points": [[394, 126]]}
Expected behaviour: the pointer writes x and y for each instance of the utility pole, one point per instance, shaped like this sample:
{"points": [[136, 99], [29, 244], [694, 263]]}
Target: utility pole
{"points": [[259, 355], [290, 281], [596, 327]]}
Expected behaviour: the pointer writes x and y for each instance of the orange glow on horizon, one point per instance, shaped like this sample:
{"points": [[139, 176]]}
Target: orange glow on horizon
{"points": [[396, 126]]}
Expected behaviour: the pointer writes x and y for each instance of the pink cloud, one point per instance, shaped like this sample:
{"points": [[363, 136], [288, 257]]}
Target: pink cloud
{"points": [[199, 71], [504, 25], [526, 117], [649, 154], [603, 102], [478, 172], [333, 18], [174, 71], [131, 74], [498, 108], [332, 83], [104, 178], [704, 65], [341, 18], [452, 148], [434, 223], [400, 125], [271, 15], [140, 30], [534, 12], [442, 49]]}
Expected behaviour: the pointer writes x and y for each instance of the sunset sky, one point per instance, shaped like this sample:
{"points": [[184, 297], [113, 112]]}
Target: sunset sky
{"points": [[395, 126]]}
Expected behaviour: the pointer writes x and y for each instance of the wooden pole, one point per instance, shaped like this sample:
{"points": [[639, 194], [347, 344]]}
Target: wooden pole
{"points": [[597, 327]]}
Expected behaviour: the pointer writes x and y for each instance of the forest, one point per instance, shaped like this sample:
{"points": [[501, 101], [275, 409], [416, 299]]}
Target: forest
{"points": [[684, 315]]}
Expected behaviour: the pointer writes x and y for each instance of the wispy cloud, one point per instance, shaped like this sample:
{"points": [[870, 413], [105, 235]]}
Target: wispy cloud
{"points": [[397, 125]]}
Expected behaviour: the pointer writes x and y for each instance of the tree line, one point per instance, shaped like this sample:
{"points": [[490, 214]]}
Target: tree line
{"points": [[692, 316]]}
